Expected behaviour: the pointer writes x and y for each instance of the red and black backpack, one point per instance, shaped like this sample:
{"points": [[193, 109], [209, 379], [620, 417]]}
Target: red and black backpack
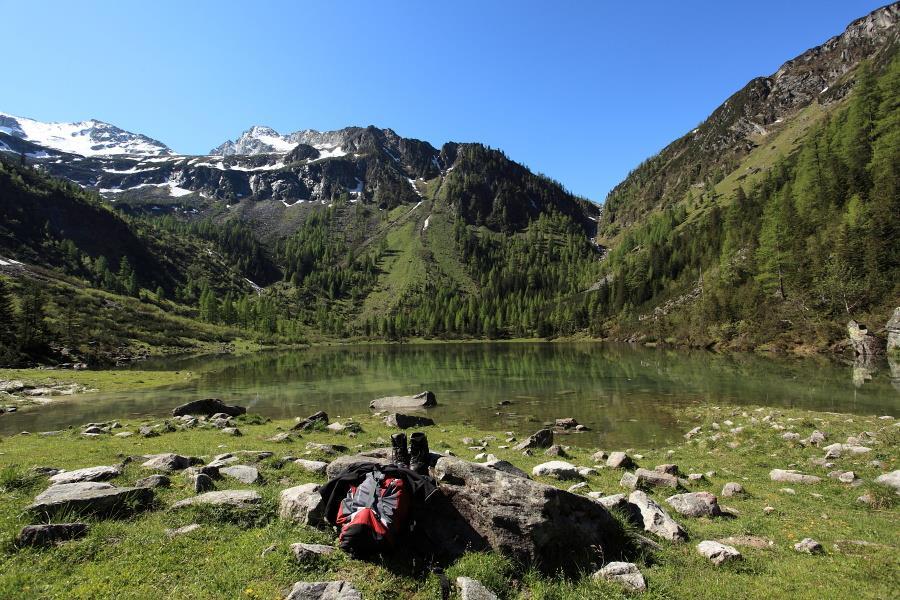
{"points": [[373, 514]]}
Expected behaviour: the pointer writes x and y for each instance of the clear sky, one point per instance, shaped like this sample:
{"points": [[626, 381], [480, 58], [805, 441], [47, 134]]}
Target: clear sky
{"points": [[580, 91]]}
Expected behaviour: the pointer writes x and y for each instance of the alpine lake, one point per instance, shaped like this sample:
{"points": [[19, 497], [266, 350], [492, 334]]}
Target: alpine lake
{"points": [[624, 394]]}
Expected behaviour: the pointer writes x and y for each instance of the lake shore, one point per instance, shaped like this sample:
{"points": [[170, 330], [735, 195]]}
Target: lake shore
{"points": [[134, 557]]}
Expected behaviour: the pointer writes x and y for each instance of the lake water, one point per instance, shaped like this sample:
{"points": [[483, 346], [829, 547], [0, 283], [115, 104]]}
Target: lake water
{"points": [[624, 394]]}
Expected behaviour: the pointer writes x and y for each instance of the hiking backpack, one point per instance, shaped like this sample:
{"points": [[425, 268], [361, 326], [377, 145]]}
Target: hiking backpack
{"points": [[373, 514]]}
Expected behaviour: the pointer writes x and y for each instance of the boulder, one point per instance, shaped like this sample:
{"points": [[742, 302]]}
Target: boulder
{"points": [[791, 476], [600, 456], [670, 469], [559, 469], [891, 479], [864, 343], [154, 481], [323, 590], [532, 522], [645, 479], [402, 421], [207, 408], [348, 427], [506, 467], [809, 546], [619, 460], [239, 499], [313, 466], [566, 423], [201, 482], [304, 553], [695, 504], [732, 489], [556, 450], [302, 504], [655, 519], [472, 589], [47, 535], [893, 331], [539, 439], [89, 498], [242, 473], [619, 502], [285, 437], [718, 553], [232, 431], [101, 473], [625, 573], [422, 400], [169, 462], [313, 421]]}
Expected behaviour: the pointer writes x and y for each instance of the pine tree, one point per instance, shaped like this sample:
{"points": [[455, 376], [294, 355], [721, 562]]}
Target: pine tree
{"points": [[7, 315]]}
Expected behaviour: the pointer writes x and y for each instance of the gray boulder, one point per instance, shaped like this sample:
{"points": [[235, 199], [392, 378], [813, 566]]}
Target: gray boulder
{"points": [[101, 473], [891, 479], [655, 519], [472, 589], [423, 400], [302, 504], [47, 535], [506, 467], [559, 469], [645, 479], [305, 553], [539, 439], [242, 473], [89, 498], [893, 331], [237, 499], [169, 462], [207, 408], [377, 456], [323, 590], [313, 466], [792, 476], [718, 553], [619, 460], [318, 419], [809, 546], [625, 573], [731, 489], [154, 481], [201, 482], [534, 523], [695, 504], [402, 421]]}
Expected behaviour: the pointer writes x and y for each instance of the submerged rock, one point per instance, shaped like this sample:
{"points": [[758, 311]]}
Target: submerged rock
{"points": [[207, 408], [423, 400]]}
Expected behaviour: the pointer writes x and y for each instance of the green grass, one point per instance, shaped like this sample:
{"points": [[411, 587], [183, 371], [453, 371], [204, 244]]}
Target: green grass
{"points": [[99, 380], [134, 558]]}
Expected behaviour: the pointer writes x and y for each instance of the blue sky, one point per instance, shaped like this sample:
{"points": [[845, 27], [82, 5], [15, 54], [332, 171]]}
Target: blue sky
{"points": [[580, 91]]}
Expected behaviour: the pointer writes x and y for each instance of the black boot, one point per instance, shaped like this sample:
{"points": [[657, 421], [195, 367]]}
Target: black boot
{"points": [[399, 453], [419, 454]]}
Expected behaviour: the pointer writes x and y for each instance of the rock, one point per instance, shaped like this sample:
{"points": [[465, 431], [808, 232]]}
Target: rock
{"points": [[619, 460], [330, 449], [169, 462], [843, 476], [471, 589], [313, 466], [302, 504], [718, 553], [242, 473], [323, 590], [863, 342], [201, 482], [532, 522], [587, 471], [696, 476], [154, 481], [809, 546], [732, 489], [600, 456], [791, 476], [284, 437], [655, 519], [313, 421], [556, 450], [208, 408], [377, 456], [891, 479], [892, 328], [307, 552], [147, 432], [668, 468], [506, 467], [559, 469], [125, 434], [539, 439], [578, 486], [407, 421], [101, 473], [182, 530], [566, 423], [695, 504], [89, 498], [816, 438], [239, 499], [93, 430], [645, 478], [47, 535], [233, 431], [692, 433], [348, 427], [422, 400], [751, 541], [625, 573]]}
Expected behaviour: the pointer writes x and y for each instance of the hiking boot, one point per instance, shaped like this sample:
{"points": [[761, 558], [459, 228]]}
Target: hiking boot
{"points": [[399, 453], [419, 454]]}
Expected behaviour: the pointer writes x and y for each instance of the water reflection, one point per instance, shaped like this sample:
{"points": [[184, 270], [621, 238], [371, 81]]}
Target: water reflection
{"points": [[622, 393]]}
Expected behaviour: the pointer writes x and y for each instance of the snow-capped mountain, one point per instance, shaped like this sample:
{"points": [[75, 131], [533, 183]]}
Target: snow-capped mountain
{"points": [[85, 138], [260, 139]]}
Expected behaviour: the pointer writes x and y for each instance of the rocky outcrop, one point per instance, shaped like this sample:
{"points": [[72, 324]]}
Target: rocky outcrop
{"points": [[556, 468], [313, 421], [892, 329], [313, 466], [235, 499], [864, 343], [542, 438], [89, 498], [323, 590], [645, 479], [304, 553], [170, 462], [695, 504], [101, 473], [619, 460], [207, 408], [472, 589], [792, 476], [423, 400], [47, 535], [243, 473], [535, 523], [891, 479]]}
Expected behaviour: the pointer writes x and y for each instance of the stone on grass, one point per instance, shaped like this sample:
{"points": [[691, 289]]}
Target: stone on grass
{"points": [[154, 481], [752, 541], [695, 504], [377, 456], [101, 473], [89, 498], [619, 460], [304, 553], [242, 473], [891, 479], [232, 431], [816, 438], [625, 573], [46, 535], [402, 421], [182, 530], [323, 590], [645, 478], [207, 408], [284, 437], [600, 456], [147, 432], [792, 476], [809, 546], [577, 487], [302, 504], [718, 553], [542, 438], [319, 419], [559, 469], [790, 436], [421, 400], [348, 427], [169, 462], [313, 466], [240, 499], [693, 432], [556, 450], [330, 449], [656, 520], [472, 589], [671, 469], [732, 489], [201, 482]]}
